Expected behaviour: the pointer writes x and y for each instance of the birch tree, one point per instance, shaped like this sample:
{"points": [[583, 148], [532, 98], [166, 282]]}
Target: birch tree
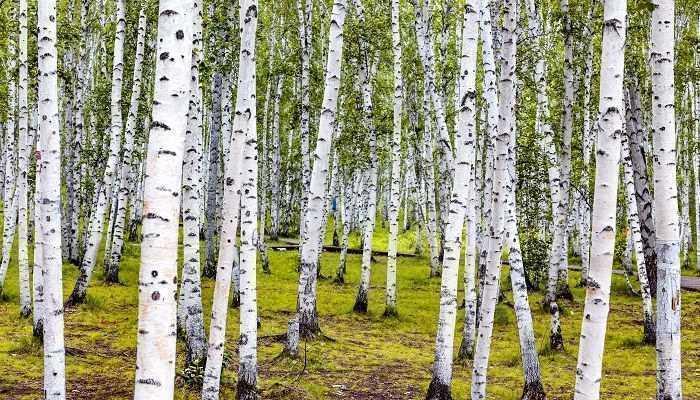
{"points": [[104, 193], [506, 124], [663, 125], [313, 213], [191, 288], [126, 177], [464, 142], [246, 113], [50, 203], [155, 349], [395, 201], [22, 168], [610, 127]]}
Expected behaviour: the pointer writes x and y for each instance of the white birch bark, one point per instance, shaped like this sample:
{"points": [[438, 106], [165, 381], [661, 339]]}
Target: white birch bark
{"points": [[37, 268], [628, 181], [429, 183], [238, 201], [587, 144], [103, 195], [191, 287], [506, 127], [25, 297], [50, 203], [446, 161], [464, 162], [366, 87], [246, 111], [155, 352], [126, 179], [9, 204], [610, 127], [275, 158], [212, 214], [395, 201], [313, 213], [305, 15], [668, 293]]}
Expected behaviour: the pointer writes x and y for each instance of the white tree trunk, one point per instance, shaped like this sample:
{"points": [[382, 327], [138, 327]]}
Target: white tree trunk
{"points": [[9, 204], [587, 144], [191, 288], [37, 269], [50, 204], [126, 183], [366, 87], [237, 202], [610, 123], [155, 352], [275, 192], [25, 297], [305, 15], [313, 213], [395, 201], [246, 112], [506, 127], [668, 293], [103, 195], [212, 213], [464, 162], [628, 174]]}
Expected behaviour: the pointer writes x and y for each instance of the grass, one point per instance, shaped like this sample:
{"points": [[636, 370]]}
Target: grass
{"points": [[370, 356]]}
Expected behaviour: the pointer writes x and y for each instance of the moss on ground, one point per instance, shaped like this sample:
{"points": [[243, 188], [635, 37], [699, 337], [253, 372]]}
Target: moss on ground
{"points": [[367, 356]]}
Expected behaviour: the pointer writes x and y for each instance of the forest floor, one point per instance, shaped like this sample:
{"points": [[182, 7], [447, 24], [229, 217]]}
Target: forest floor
{"points": [[367, 356]]}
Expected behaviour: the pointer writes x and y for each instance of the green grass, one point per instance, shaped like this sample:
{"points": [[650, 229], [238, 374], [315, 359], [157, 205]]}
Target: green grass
{"points": [[369, 357]]}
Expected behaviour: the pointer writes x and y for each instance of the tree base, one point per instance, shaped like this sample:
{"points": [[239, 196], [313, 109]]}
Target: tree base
{"points": [[534, 391], [236, 301], [75, 299], [38, 330], [246, 390], [339, 280], [25, 312], [556, 341], [390, 312], [564, 292], [360, 303], [649, 332], [438, 391], [465, 354]]}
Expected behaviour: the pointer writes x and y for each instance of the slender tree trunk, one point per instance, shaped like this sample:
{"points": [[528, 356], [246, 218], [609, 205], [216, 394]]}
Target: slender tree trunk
{"points": [[155, 352], [649, 323], [9, 204], [25, 296], [668, 291], [312, 214], [567, 123], [191, 287], [126, 182], [464, 142], [213, 184], [644, 196], [50, 204], [366, 76], [239, 201], [506, 128], [305, 15], [610, 123], [103, 195], [395, 201], [276, 171], [245, 108], [587, 142], [37, 268]]}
